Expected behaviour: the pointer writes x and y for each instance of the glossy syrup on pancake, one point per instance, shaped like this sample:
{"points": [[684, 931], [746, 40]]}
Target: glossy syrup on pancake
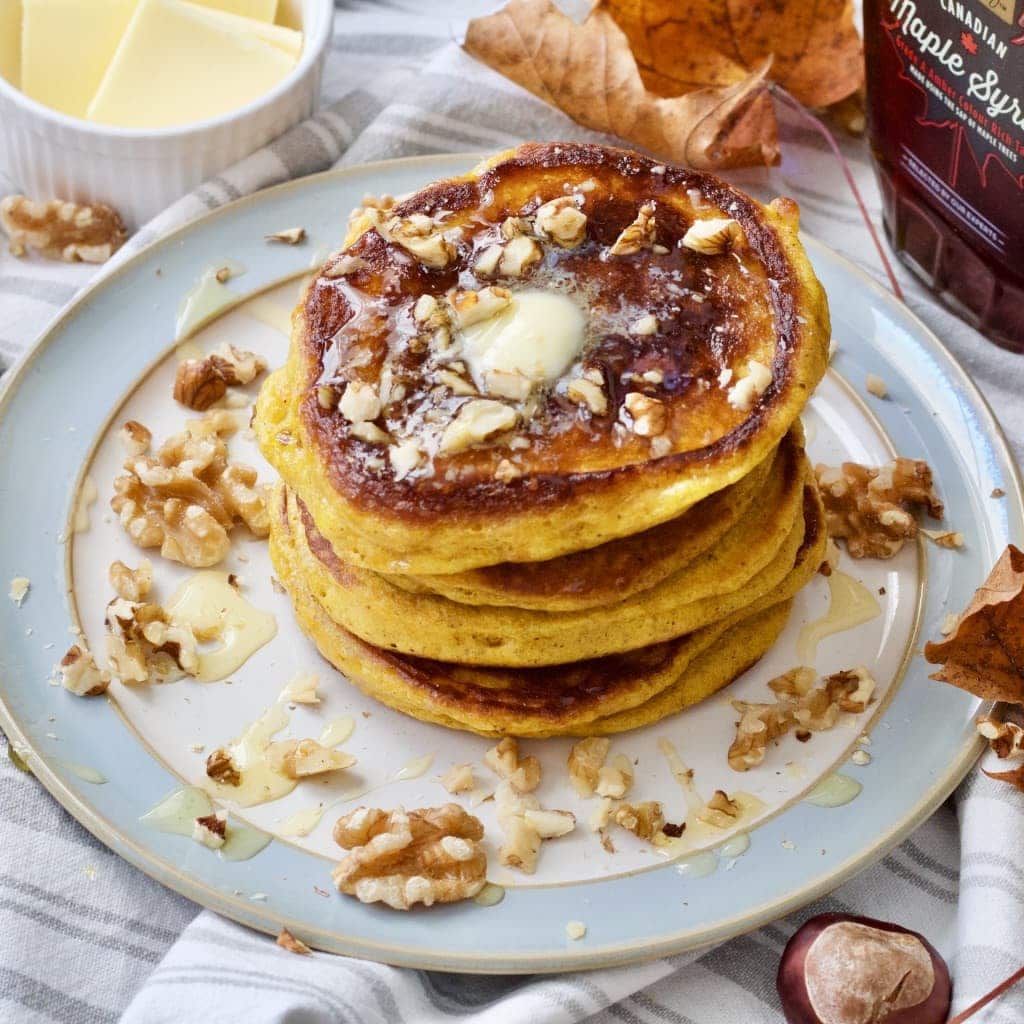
{"points": [[560, 475]]}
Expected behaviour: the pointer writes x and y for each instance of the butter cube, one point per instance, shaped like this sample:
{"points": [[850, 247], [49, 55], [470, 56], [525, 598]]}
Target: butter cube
{"points": [[174, 66], [66, 46], [261, 10], [285, 39], [10, 41]]}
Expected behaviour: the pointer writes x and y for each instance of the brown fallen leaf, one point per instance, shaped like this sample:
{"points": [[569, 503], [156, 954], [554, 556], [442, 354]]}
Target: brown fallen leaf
{"points": [[1015, 777], [985, 653], [688, 44], [588, 72]]}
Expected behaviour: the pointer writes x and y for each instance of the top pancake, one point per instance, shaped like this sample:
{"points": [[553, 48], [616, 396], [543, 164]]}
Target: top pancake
{"points": [[562, 478]]}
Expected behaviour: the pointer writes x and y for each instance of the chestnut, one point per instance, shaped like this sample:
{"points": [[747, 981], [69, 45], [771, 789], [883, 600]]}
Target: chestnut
{"points": [[838, 969]]}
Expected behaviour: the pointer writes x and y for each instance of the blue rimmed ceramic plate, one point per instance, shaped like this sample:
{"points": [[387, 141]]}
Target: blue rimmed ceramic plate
{"points": [[112, 355]]}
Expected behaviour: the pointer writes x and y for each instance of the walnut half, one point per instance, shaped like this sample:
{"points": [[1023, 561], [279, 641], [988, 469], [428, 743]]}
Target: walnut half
{"points": [[73, 232], [199, 383], [431, 855]]}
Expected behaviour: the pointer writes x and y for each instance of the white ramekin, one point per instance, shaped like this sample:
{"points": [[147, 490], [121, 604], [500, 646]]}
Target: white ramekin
{"points": [[137, 171]]}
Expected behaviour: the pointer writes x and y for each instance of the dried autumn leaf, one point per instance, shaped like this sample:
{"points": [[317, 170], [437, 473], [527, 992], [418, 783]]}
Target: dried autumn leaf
{"points": [[682, 45], [985, 653], [1015, 777], [589, 73]]}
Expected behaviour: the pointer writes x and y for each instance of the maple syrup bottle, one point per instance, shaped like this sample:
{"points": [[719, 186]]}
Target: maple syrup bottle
{"points": [[945, 84]]}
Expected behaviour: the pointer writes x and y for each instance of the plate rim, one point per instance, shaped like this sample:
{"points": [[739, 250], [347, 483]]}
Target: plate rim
{"points": [[585, 958]]}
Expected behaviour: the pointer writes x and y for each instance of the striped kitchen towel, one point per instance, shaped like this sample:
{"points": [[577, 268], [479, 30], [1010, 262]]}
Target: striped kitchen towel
{"points": [[86, 938]]}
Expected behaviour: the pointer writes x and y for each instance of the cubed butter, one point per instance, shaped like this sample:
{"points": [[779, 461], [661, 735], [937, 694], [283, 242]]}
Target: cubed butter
{"points": [[285, 39], [66, 46], [261, 10], [175, 67], [10, 41]]}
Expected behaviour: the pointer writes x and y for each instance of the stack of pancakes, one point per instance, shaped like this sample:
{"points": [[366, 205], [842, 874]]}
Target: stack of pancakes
{"points": [[514, 552]]}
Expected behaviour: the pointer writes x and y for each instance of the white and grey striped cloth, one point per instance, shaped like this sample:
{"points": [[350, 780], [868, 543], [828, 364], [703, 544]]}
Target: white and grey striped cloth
{"points": [[86, 938]]}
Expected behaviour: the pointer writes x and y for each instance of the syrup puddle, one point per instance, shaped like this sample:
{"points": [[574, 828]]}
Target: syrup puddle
{"points": [[851, 604], [490, 895], [834, 790], [215, 610], [337, 731], [207, 297], [700, 833], [177, 813], [271, 314], [85, 773]]}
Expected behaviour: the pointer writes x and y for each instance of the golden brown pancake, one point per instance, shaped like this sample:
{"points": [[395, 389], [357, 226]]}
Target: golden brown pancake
{"points": [[753, 558], [609, 694], [610, 572], [559, 476]]}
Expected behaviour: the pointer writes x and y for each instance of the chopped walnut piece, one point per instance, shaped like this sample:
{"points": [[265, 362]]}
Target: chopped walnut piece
{"points": [[759, 724], [876, 386], [211, 830], [298, 759], [507, 471], [345, 265], [522, 773], [405, 456], [713, 236], [472, 307], [185, 498], [550, 824], [487, 261], [644, 326], [870, 507], [945, 538], [508, 384], [650, 416], [562, 222], [477, 421], [420, 236], [585, 761], [513, 227], [602, 814], [643, 820], [143, 644], [131, 584], [286, 940], [20, 586], [798, 706], [615, 779], [80, 674], [424, 856], [851, 689], [586, 392], [221, 767], [72, 232], [290, 236], [521, 847], [636, 236], [199, 383], [458, 779], [748, 389], [720, 811], [360, 402], [370, 433], [1005, 738], [134, 437], [518, 255]]}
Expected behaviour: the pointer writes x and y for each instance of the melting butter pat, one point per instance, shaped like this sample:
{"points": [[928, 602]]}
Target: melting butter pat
{"points": [[538, 336], [215, 611], [176, 65], [66, 47]]}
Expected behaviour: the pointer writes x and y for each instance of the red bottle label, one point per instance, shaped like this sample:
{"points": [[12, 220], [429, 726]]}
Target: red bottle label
{"points": [[946, 102]]}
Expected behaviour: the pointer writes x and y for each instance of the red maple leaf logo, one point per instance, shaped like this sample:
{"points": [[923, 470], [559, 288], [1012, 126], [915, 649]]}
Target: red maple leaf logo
{"points": [[969, 43]]}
